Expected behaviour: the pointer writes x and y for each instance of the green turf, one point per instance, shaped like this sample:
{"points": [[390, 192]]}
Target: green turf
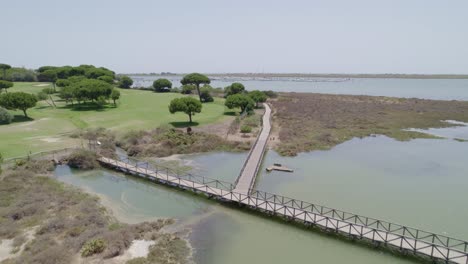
{"points": [[50, 127]]}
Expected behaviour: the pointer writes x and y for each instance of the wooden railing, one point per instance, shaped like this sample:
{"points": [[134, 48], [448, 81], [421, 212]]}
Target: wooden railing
{"points": [[41, 155], [393, 235], [250, 154]]}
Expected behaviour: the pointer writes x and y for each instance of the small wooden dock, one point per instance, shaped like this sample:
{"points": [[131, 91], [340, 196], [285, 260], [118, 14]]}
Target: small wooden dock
{"points": [[279, 167]]}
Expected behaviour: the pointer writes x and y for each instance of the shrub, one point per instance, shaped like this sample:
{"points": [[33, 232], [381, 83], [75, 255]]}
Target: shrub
{"points": [[48, 90], [246, 129], [125, 82], [101, 101], [5, 116], [271, 94], [20, 162], [41, 96], [162, 85], [93, 247], [187, 89], [253, 120], [205, 96], [83, 159], [175, 90]]}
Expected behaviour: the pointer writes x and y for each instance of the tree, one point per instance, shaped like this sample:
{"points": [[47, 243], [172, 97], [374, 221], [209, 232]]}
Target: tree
{"points": [[195, 79], [244, 102], [188, 105], [5, 85], [125, 82], [67, 94], [234, 88], [18, 100], [4, 67], [115, 95], [258, 97], [91, 89], [162, 85], [206, 96], [48, 76]]}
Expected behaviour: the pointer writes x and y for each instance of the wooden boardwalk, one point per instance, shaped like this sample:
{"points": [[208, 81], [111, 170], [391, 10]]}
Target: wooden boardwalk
{"points": [[418, 242], [249, 171]]}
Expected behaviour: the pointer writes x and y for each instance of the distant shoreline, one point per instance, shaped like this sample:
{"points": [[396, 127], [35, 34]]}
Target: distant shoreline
{"points": [[322, 75]]}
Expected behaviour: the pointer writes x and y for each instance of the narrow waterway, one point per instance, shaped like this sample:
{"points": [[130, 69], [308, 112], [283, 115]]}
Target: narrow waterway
{"points": [[421, 183]]}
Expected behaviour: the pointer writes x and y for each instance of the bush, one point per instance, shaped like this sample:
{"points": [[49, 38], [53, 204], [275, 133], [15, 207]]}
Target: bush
{"points": [[175, 90], [93, 247], [271, 94], [83, 159], [48, 90], [206, 96], [187, 89], [125, 82], [41, 96], [5, 116], [101, 101], [162, 85], [246, 129], [253, 120]]}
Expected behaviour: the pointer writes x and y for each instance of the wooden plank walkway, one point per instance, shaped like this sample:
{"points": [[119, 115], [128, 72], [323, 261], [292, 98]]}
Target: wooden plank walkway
{"points": [[249, 171], [395, 236]]}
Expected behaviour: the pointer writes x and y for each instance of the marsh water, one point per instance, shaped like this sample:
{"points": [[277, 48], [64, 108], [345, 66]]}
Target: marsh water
{"points": [[421, 183], [443, 89]]}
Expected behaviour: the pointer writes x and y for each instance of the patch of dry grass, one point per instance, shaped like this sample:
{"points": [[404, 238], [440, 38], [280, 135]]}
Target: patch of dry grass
{"points": [[310, 121], [65, 220], [164, 142]]}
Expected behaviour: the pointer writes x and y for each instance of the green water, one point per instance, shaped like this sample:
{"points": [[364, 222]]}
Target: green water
{"points": [[421, 183]]}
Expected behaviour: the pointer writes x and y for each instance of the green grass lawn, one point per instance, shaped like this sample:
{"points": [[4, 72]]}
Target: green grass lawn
{"points": [[50, 127]]}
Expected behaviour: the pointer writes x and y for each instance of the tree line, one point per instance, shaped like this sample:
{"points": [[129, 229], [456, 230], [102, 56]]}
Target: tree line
{"points": [[235, 94], [80, 84]]}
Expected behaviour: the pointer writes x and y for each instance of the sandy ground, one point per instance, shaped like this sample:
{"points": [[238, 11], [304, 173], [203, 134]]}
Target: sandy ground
{"points": [[138, 248], [6, 245], [41, 85], [222, 130]]}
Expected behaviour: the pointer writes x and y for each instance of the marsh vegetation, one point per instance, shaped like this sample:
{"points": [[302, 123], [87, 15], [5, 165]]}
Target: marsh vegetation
{"points": [[307, 121]]}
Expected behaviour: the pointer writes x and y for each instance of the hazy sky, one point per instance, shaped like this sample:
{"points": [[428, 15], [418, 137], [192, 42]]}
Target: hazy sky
{"points": [[329, 36]]}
